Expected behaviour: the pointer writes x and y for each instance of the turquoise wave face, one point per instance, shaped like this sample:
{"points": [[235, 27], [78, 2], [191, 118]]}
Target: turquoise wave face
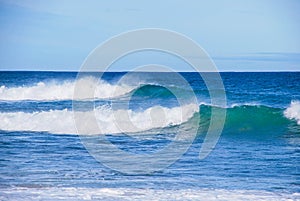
{"points": [[152, 91], [253, 121]]}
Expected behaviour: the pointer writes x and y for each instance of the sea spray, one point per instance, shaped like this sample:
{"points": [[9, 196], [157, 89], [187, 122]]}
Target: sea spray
{"points": [[293, 111]]}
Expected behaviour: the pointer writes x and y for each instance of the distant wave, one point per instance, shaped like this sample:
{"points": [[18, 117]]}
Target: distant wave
{"points": [[54, 90], [59, 91], [62, 122]]}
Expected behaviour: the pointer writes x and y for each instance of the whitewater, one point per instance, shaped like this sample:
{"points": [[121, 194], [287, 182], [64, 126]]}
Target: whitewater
{"points": [[54, 90], [62, 121]]}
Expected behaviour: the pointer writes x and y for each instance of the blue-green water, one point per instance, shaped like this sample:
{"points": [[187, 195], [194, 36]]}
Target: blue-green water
{"points": [[259, 148]]}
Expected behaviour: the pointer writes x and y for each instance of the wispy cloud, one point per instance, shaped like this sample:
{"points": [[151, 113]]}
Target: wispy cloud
{"points": [[263, 56]]}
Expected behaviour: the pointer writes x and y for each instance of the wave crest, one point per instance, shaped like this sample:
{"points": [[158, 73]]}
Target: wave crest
{"points": [[63, 91]]}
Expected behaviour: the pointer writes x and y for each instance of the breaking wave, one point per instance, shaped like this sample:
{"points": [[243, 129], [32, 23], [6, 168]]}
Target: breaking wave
{"points": [[239, 117], [62, 121], [54, 90]]}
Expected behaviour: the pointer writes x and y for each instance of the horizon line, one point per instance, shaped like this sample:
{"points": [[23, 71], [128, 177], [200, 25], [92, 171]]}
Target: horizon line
{"points": [[225, 71]]}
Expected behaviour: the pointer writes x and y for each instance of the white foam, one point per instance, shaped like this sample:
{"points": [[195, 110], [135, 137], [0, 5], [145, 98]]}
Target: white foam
{"points": [[234, 105], [69, 193], [293, 111], [62, 121], [62, 91]]}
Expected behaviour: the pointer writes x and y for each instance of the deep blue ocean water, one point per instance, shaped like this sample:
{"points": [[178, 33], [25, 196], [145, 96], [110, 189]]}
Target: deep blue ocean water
{"points": [[258, 151]]}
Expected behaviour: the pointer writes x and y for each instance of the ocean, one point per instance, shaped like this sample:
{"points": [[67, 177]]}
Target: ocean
{"points": [[42, 156]]}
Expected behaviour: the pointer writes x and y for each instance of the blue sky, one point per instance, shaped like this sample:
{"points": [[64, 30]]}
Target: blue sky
{"points": [[244, 35]]}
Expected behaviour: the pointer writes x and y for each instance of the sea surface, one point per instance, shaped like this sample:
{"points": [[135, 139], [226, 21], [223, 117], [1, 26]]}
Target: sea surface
{"points": [[42, 156]]}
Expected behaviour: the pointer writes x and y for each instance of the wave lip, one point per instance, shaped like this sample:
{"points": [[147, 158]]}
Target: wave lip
{"points": [[63, 91], [293, 111]]}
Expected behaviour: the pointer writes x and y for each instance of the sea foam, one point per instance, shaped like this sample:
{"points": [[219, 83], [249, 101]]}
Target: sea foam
{"points": [[62, 121], [54, 90], [63, 193], [293, 111]]}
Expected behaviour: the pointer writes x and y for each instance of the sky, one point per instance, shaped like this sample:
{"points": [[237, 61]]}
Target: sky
{"points": [[239, 35]]}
